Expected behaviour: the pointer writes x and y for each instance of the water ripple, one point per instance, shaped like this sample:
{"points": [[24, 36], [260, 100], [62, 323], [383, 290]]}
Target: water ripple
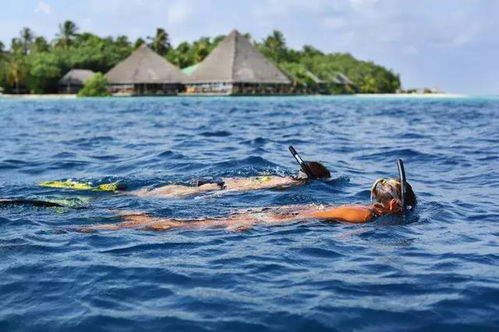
{"points": [[434, 269]]}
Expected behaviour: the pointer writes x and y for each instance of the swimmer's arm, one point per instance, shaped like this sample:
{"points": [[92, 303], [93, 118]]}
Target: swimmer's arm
{"points": [[347, 213]]}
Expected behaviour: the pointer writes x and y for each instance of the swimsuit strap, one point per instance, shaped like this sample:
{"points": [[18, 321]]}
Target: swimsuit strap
{"points": [[219, 182], [296, 178]]}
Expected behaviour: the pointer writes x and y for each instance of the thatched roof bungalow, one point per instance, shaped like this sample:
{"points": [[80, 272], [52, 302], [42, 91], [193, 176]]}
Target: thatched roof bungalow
{"points": [[237, 67], [74, 80], [320, 87], [341, 84], [342, 79], [145, 72]]}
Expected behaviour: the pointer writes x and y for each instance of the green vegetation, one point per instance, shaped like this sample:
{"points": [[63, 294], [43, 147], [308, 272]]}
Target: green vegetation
{"points": [[366, 77], [34, 65], [187, 54], [96, 86]]}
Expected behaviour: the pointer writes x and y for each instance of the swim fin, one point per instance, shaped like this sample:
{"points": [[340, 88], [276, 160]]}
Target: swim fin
{"points": [[75, 185]]}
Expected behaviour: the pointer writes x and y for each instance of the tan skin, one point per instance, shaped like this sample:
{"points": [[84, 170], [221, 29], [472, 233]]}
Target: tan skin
{"points": [[231, 185], [245, 219]]}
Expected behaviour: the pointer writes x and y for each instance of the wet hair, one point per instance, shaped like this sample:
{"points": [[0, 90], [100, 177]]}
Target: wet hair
{"points": [[391, 189], [319, 170]]}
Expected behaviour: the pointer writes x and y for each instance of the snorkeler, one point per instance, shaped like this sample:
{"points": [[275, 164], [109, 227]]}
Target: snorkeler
{"points": [[309, 171], [392, 196]]}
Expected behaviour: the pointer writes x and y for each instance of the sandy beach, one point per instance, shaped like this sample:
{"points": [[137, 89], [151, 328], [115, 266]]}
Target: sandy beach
{"points": [[360, 95], [412, 95], [38, 96]]}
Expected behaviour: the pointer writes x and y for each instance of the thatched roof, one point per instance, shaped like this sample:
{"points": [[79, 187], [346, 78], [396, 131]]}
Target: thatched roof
{"points": [[236, 60], [342, 79], [144, 66], [76, 77], [314, 77]]}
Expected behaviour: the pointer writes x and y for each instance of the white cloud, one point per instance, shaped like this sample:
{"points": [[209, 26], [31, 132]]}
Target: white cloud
{"points": [[360, 4], [178, 12], [42, 7]]}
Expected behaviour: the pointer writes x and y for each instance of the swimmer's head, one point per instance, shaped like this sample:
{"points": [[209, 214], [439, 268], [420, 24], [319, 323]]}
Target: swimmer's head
{"points": [[386, 193], [318, 170]]}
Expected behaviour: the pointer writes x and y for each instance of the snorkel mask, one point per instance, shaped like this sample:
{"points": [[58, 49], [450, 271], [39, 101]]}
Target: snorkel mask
{"points": [[312, 169], [385, 190]]}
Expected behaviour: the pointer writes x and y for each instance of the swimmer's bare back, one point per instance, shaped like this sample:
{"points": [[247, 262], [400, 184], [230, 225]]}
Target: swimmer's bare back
{"points": [[229, 185], [243, 220]]}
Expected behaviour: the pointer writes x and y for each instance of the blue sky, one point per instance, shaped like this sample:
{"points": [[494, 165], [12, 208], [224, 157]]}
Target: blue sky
{"points": [[449, 44]]}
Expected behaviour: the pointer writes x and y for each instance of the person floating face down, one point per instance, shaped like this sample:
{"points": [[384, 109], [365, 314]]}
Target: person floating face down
{"points": [[240, 184], [388, 196], [309, 171]]}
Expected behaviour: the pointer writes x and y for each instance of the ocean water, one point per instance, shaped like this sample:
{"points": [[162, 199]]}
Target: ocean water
{"points": [[434, 269]]}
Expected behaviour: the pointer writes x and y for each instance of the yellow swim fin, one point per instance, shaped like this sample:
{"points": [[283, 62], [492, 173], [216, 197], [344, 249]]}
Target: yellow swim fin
{"points": [[68, 184], [75, 185], [107, 187]]}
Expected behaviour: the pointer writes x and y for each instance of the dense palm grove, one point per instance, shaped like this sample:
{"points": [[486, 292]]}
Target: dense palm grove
{"points": [[32, 64]]}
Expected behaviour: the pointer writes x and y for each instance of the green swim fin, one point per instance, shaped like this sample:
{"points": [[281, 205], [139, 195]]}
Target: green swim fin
{"points": [[68, 184], [75, 185]]}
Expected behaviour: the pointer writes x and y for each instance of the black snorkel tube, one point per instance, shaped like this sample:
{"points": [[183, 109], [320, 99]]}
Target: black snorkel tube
{"points": [[403, 183], [303, 164]]}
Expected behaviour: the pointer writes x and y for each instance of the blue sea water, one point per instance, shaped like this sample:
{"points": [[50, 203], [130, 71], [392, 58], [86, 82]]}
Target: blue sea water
{"points": [[434, 269]]}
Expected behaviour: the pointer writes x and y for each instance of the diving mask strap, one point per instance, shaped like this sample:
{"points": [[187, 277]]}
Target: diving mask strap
{"points": [[306, 169], [403, 181]]}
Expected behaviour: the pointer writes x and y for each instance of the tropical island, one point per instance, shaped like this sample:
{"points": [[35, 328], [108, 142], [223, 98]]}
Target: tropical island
{"points": [[229, 65]]}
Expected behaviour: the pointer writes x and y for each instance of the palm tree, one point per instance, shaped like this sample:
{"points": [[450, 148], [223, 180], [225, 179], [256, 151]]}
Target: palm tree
{"points": [[15, 75], [139, 42], [26, 39], [67, 32], [201, 49], [309, 50], [161, 42], [248, 36], [16, 47], [122, 41], [275, 44], [40, 45]]}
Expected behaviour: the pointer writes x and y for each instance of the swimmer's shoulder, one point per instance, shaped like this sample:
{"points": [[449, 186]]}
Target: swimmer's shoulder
{"points": [[355, 213]]}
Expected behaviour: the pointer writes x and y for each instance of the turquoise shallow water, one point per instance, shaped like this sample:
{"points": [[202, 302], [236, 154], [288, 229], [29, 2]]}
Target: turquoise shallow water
{"points": [[436, 268]]}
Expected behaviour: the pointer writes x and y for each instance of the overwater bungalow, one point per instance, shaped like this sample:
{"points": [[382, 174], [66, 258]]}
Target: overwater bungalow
{"points": [[74, 80], [145, 72], [236, 67]]}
